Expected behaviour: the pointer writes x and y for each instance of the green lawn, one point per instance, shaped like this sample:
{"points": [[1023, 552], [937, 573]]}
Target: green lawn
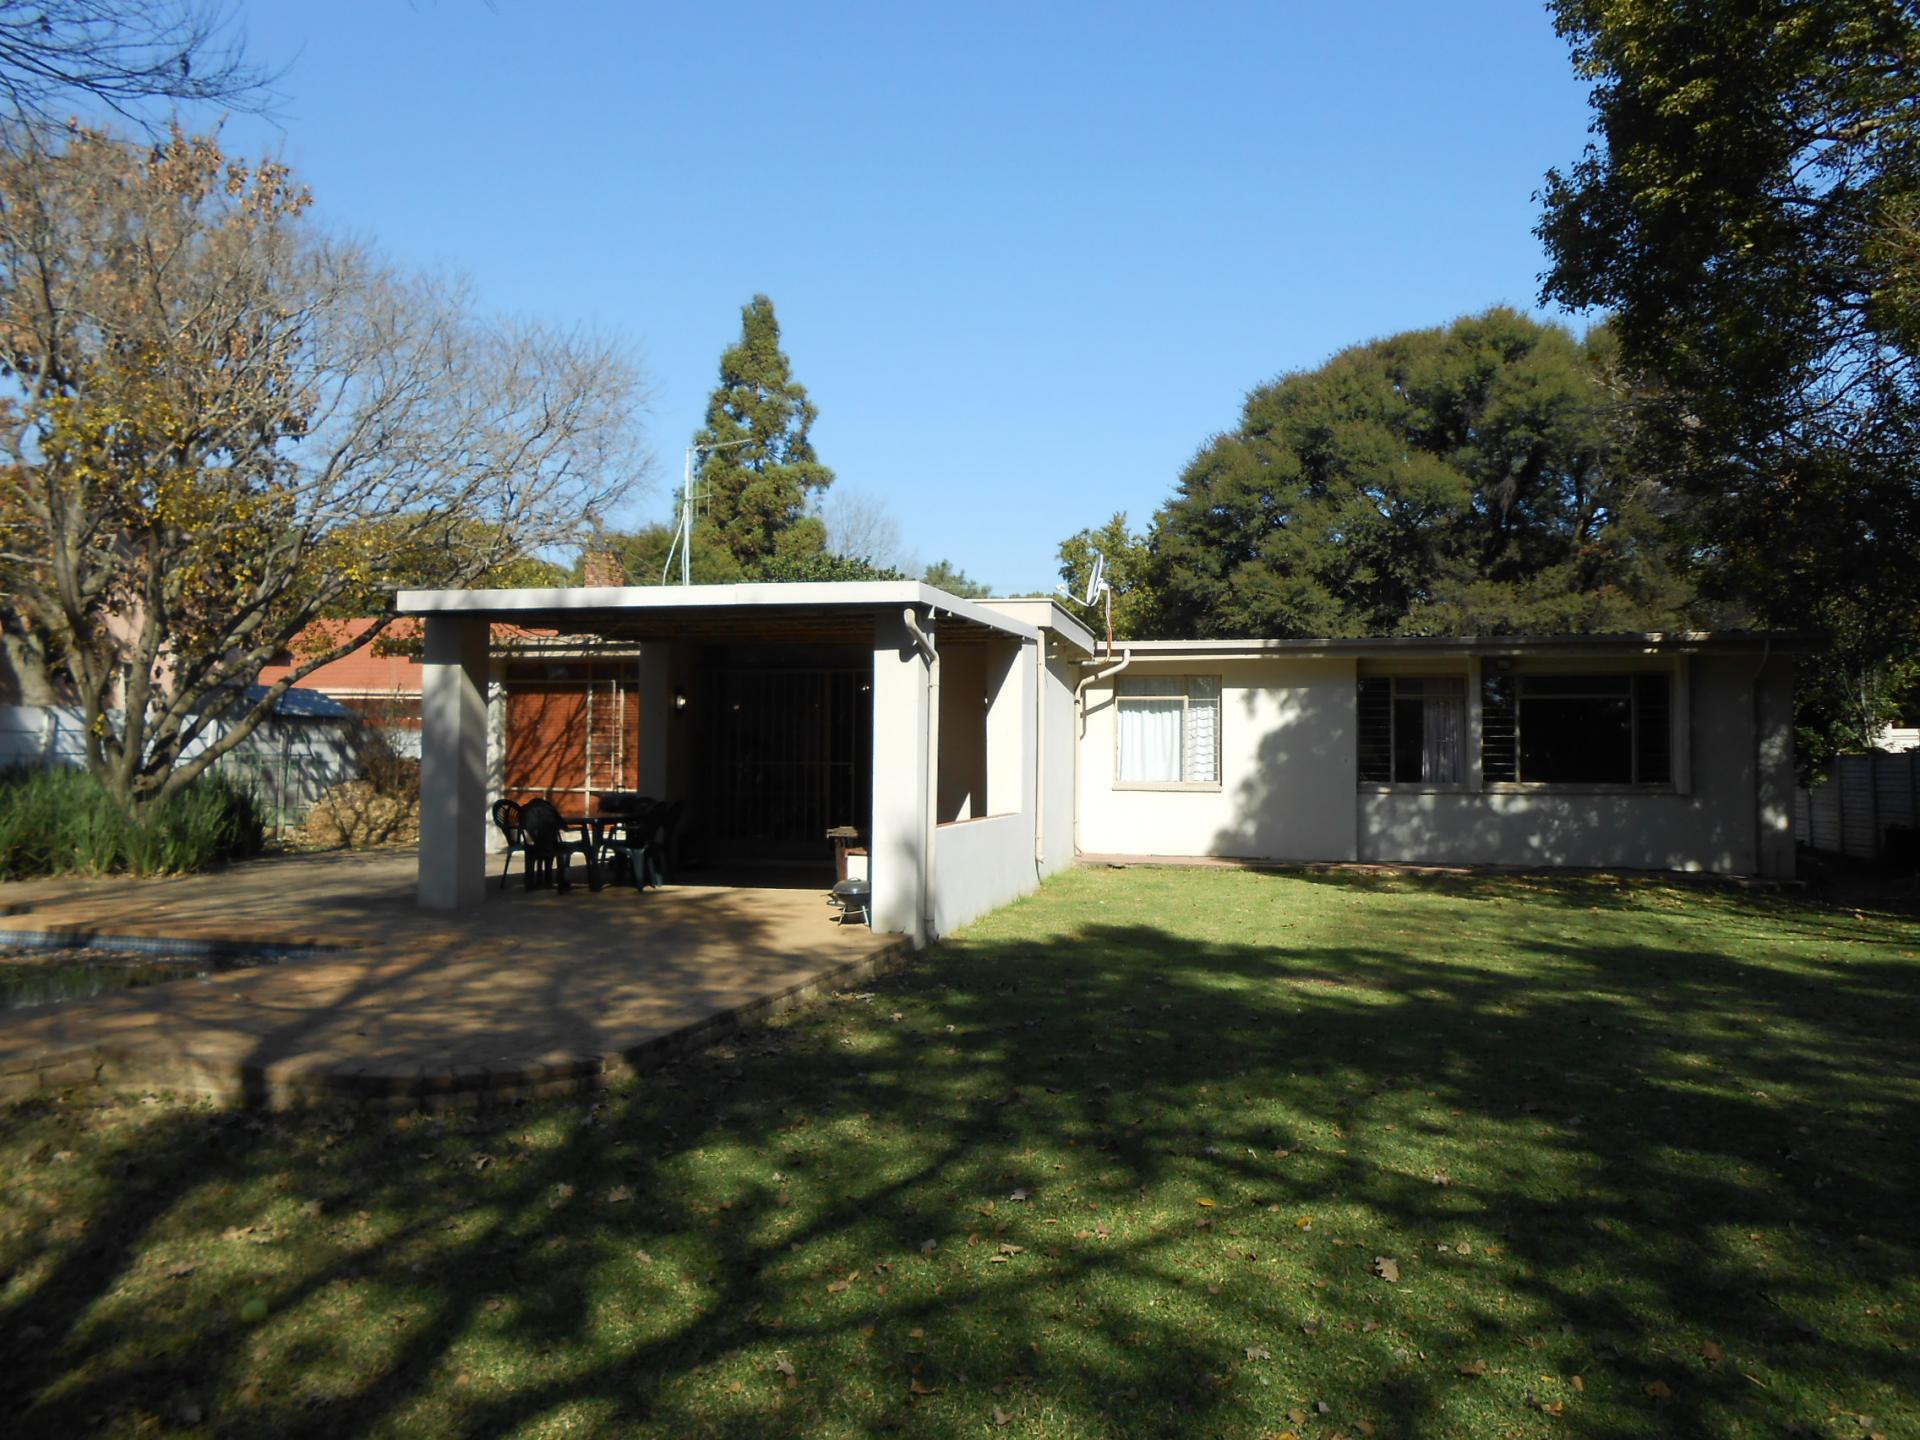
{"points": [[1126, 1159]]}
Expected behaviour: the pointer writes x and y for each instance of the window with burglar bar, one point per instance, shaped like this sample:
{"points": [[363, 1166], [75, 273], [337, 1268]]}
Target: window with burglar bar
{"points": [[1169, 730], [1577, 729], [1413, 731]]}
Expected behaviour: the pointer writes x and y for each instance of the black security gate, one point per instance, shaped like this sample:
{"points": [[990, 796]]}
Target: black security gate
{"points": [[784, 755]]}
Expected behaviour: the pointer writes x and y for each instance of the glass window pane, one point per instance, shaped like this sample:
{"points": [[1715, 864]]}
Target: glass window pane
{"points": [[1575, 685], [1150, 741], [1153, 684], [1577, 740]]}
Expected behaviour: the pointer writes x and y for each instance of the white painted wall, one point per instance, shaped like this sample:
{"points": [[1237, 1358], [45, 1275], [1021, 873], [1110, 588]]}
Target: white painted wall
{"points": [[1289, 785], [1057, 797], [1287, 768], [1731, 822]]}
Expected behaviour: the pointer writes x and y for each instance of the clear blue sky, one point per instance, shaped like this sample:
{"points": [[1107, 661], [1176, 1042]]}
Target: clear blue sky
{"points": [[1026, 258]]}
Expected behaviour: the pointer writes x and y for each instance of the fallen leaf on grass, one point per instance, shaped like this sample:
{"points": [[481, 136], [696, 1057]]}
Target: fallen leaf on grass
{"points": [[1001, 1417], [1386, 1269], [1298, 1417], [1305, 1222], [1207, 1204], [915, 1387], [1712, 1353], [1474, 1368], [834, 1287], [927, 1247], [1578, 1383], [1660, 1390], [619, 1195], [1259, 1352]]}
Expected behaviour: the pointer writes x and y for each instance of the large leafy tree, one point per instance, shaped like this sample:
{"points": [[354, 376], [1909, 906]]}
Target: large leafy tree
{"points": [[219, 426], [1467, 479], [1749, 214], [757, 468]]}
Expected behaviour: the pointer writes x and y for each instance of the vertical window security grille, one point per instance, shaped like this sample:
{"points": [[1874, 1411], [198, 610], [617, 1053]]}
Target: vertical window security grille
{"points": [[1412, 731], [1169, 730]]}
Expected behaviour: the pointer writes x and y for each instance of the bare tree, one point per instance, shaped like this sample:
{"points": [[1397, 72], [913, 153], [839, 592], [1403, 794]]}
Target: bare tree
{"points": [[861, 526], [55, 54], [224, 426]]}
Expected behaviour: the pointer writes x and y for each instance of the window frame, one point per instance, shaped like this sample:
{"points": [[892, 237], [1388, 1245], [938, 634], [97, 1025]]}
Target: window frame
{"points": [[1393, 681], [1186, 704], [1675, 740]]}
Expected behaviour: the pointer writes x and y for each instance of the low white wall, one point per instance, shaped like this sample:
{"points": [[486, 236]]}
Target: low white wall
{"points": [[1287, 768], [979, 865]]}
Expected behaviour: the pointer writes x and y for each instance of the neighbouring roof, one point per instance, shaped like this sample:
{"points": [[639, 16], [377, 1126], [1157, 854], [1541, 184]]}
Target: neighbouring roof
{"points": [[298, 704]]}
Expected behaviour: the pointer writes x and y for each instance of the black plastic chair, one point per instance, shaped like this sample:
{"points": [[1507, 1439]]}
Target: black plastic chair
{"points": [[549, 852], [625, 843], [506, 817]]}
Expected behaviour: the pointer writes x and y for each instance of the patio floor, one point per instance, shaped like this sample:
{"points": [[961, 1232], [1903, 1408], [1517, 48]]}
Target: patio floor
{"points": [[528, 993]]}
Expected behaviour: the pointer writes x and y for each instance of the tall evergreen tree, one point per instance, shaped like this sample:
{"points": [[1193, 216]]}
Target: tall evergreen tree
{"points": [[755, 482]]}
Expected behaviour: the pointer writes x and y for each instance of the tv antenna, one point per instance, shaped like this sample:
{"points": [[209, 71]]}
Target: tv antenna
{"points": [[1097, 586], [683, 532]]}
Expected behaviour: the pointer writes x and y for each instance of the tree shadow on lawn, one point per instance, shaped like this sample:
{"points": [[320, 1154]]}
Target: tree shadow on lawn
{"points": [[1682, 1175]]}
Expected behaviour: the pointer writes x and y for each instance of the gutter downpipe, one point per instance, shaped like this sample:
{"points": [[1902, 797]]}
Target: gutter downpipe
{"points": [[1040, 757], [1080, 730], [923, 642]]}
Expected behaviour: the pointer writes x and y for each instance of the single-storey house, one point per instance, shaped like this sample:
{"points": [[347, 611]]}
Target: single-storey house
{"points": [[979, 745]]}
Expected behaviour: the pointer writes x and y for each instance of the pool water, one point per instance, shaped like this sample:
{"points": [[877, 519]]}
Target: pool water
{"points": [[39, 974]]}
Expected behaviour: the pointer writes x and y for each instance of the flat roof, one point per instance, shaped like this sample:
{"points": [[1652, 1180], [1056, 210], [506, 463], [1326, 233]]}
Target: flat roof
{"points": [[1637, 642], [727, 611]]}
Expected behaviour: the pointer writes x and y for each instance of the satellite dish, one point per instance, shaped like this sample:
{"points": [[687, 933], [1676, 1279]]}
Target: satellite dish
{"points": [[1096, 578]]}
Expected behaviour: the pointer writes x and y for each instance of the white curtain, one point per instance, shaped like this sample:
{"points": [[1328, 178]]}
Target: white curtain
{"points": [[1443, 737], [1150, 740]]}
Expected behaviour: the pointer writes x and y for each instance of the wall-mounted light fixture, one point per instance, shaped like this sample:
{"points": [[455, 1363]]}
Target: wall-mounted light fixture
{"points": [[679, 701]]}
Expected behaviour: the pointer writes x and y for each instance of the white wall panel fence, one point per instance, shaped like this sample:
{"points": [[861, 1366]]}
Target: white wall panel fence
{"points": [[1863, 797], [288, 762]]}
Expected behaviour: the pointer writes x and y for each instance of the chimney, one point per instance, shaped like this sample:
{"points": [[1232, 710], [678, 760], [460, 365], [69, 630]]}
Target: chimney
{"points": [[600, 566]]}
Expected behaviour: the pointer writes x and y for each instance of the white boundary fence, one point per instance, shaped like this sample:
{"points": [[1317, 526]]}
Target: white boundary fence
{"points": [[1864, 796], [288, 762]]}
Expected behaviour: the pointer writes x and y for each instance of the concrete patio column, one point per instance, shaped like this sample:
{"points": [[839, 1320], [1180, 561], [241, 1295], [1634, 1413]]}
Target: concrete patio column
{"points": [[899, 848], [453, 763], [654, 684]]}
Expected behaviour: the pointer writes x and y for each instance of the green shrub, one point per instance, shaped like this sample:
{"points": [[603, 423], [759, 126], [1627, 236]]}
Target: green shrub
{"points": [[61, 821]]}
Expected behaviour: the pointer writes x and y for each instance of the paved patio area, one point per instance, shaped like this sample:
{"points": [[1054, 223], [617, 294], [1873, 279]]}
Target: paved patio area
{"points": [[527, 993]]}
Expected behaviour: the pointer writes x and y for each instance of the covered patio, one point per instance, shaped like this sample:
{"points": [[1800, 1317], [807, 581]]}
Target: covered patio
{"points": [[774, 713], [395, 1004]]}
